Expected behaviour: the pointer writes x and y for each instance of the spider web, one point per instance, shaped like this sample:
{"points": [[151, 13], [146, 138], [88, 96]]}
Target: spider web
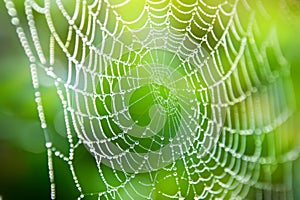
{"points": [[173, 99]]}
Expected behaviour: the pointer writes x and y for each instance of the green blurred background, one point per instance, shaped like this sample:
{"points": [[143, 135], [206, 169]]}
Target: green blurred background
{"points": [[23, 162]]}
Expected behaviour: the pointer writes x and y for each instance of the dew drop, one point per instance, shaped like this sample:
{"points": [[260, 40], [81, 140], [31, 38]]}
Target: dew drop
{"points": [[48, 144], [15, 21], [12, 12]]}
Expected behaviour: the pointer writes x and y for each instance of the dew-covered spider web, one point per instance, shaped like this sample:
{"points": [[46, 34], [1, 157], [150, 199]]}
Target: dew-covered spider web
{"points": [[172, 99]]}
